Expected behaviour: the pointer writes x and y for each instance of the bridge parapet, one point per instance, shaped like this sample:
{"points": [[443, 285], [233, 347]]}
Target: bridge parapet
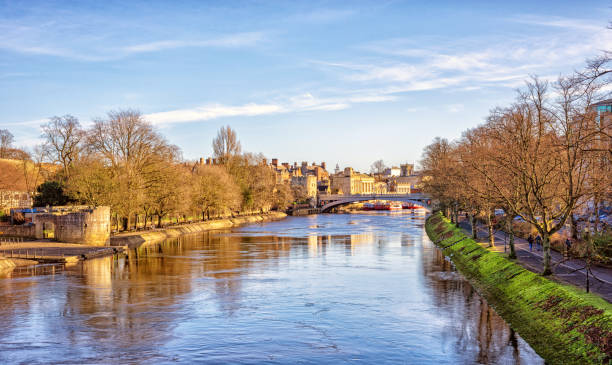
{"points": [[328, 201], [329, 197]]}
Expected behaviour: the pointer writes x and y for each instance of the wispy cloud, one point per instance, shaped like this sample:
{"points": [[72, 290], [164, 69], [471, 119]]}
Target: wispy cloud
{"points": [[324, 15], [76, 41], [35, 122], [560, 22], [228, 41], [404, 65], [298, 103], [207, 112]]}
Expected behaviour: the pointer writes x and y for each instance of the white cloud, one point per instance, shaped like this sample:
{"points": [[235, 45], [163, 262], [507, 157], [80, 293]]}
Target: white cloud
{"points": [[455, 108], [404, 65], [298, 103], [36, 122], [234, 40], [214, 111], [560, 22], [76, 40]]}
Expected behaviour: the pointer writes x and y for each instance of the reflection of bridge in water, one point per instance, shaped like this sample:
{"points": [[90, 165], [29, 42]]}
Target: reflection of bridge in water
{"points": [[329, 201]]}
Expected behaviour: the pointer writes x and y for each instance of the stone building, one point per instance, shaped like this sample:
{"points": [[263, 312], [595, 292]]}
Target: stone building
{"points": [[309, 182], [406, 169], [14, 199], [75, 224], [392, 171], [399, 185], [407, 184], [351, 182]]}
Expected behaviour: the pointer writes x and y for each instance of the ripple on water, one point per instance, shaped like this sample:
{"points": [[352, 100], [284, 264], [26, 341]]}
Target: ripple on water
{"points": [[317, 289]]}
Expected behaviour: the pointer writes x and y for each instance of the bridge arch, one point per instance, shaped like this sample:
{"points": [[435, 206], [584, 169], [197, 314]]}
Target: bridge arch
{"points": [[332, 201]]}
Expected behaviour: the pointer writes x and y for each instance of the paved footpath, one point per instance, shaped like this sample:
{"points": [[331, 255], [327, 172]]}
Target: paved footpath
{"points": [[569, 271]]}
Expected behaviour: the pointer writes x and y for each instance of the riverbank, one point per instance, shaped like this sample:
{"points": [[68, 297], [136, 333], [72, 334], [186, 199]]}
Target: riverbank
{"points": [[6, 265], [567, 271], [136, 239], [561, 323]]}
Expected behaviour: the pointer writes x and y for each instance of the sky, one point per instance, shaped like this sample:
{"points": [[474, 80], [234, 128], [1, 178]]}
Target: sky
{"points": [[347, 83]]}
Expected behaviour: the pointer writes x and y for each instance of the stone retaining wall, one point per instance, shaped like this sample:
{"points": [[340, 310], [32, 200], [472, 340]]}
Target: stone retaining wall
{"points": [[136, 239], [25, 231]]}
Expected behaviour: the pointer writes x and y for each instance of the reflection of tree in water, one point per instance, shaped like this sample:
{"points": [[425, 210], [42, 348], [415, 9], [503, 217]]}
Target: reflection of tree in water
{"points": [[122, 300], [15, 294], [479, 331]]}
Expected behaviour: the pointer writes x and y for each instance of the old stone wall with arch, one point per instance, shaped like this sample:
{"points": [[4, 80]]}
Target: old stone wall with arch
{"points": [[87, 225]]}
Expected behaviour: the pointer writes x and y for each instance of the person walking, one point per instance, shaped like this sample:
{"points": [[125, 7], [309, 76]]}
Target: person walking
{"points": [[538, 242], [568, 246], [530, 240]]}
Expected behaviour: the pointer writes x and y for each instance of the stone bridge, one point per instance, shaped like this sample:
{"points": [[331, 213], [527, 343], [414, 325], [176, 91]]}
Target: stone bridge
{"points": [[329, 201]]}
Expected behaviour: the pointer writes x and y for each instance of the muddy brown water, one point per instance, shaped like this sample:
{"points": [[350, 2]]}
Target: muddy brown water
{"points": [[364, 288]]}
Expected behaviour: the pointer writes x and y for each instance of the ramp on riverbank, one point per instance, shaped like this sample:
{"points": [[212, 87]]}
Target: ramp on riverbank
{"points": [[55, 252]]}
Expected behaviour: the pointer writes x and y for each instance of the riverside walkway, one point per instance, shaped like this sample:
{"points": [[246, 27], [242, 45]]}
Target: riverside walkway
{"points": [[568, 271]]}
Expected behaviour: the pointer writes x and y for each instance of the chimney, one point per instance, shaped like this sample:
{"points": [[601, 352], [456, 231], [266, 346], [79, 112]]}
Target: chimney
{"points": [[275, 162], [201, 160]]}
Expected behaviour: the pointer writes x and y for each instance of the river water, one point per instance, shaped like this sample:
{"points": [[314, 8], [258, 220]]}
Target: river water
{"points": [[358, 288]]}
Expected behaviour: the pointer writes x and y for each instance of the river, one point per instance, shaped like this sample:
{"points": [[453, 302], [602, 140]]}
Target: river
{"points": [[331, 288]]}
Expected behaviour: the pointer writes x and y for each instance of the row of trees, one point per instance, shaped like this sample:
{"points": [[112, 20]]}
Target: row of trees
{"points": [[122, 161], [541, 158]]}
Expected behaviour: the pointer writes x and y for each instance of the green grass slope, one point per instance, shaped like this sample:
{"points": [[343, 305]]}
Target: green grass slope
{"points": [[561, 323]]}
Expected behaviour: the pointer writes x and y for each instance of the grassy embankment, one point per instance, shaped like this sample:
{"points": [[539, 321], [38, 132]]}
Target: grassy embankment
{"points": [[563, 324]]}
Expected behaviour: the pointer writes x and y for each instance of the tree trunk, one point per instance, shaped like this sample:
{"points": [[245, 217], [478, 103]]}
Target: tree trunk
{"points": [[573, 227], [596, 208], [146, 217], [456, 215], [474, 228], [546, 251], [159, 219], [511, 240], [490, 227]]}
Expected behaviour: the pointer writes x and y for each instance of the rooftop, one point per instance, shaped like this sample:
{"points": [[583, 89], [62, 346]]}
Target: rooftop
{"points": [[603, 102]]}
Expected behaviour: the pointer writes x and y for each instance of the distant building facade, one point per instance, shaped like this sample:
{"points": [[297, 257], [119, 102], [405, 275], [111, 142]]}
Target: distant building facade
{"points": [[308, 182], [603, 109], [351, 182], [14, 199]]}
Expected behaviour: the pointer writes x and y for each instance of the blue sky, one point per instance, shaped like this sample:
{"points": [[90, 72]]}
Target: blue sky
{"points": [[341, 82]]}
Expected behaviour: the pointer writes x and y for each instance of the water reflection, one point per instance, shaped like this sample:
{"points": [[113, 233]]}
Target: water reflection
{"points": [[329, 288]]}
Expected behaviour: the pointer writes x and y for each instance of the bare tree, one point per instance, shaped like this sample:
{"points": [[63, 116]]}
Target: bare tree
{"points": [[130, 147], [226, 145], [63, 136], [539, 144], [215, 192], [441, 171], [6, 142], [378, 167]]}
